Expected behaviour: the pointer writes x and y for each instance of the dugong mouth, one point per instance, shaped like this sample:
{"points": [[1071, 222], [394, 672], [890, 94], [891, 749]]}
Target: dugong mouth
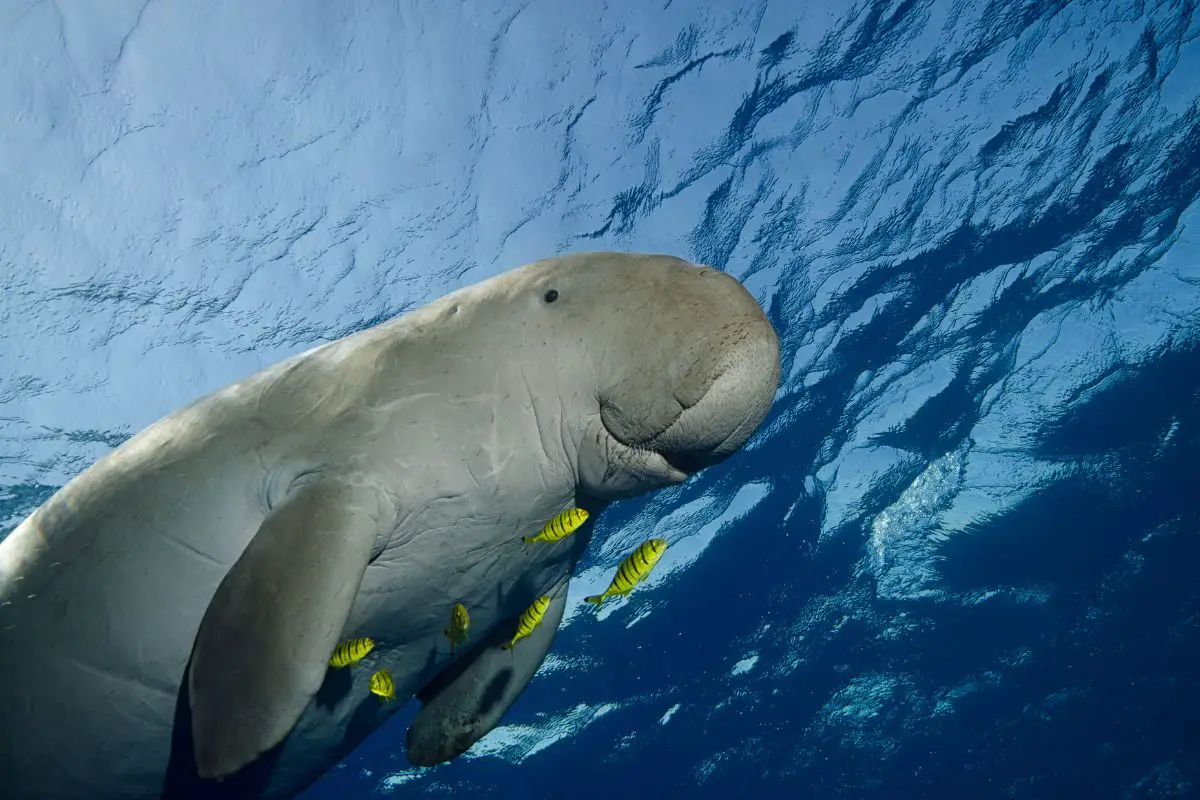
{"points": [[713, 427], [727, 415], [683, 460]]}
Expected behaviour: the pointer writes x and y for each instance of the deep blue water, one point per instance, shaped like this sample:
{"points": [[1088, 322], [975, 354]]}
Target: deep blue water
{"points": [[959, 558]]}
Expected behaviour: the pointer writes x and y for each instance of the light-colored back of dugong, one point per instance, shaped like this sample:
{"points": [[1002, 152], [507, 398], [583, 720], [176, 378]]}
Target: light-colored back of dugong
{"points": [[167, 617]]}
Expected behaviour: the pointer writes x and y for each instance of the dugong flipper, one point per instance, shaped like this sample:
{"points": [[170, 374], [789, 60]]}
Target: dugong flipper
{"points": [[461, 706], [263, 646]]}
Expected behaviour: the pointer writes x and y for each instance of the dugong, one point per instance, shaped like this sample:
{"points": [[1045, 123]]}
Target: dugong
{"points": [[168, 616]]}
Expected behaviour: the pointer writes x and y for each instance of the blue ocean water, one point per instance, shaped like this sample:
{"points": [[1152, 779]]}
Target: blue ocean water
{"points": [[957, 561]]}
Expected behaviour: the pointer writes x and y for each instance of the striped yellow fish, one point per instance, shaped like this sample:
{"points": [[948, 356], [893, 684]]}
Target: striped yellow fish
{"points": [[351, 651], [456, 631], [560, 526], [633, 570], [530, 619], [382, 685]]}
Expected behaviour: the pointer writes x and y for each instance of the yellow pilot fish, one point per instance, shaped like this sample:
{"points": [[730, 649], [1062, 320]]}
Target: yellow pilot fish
{"points": [[456, 631], [633, 570], [530, 619], [560, 526], [382, 685], [351, 651]]}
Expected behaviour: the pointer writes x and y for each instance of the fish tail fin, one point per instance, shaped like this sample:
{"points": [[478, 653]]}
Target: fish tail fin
{"points": [[526, 539], [506, 646], [595, 599]]}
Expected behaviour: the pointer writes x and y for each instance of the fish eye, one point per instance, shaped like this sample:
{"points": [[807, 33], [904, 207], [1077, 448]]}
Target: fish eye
{"points": [[551, 295]]}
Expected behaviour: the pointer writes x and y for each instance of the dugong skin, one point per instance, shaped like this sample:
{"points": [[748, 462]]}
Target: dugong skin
{"points": [[170, 611]]}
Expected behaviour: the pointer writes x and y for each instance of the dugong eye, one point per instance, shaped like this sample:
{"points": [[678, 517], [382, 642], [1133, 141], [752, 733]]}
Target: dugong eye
{"points": [[551, 295]]}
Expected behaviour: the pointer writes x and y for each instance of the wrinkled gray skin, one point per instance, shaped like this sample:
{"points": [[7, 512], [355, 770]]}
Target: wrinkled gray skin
{"points": [[358, 489]]}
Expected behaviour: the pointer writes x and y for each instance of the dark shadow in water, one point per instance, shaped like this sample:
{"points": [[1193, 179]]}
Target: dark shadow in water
{"points": [[1129, 405], [1134, 445]]}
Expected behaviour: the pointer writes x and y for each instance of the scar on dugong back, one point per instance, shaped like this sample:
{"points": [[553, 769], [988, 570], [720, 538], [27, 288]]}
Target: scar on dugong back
{"points": [[167, 618]]}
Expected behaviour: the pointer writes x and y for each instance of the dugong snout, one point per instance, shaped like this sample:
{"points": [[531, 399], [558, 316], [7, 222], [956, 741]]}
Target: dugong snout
{"points": [[686, 382], [729, 412]]}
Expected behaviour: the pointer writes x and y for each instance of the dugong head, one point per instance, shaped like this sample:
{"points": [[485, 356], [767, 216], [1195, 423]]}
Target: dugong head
{"points": [[684, 364]]}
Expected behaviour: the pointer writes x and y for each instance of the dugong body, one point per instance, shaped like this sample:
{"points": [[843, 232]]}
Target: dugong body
{"points": [[167, 618]]}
